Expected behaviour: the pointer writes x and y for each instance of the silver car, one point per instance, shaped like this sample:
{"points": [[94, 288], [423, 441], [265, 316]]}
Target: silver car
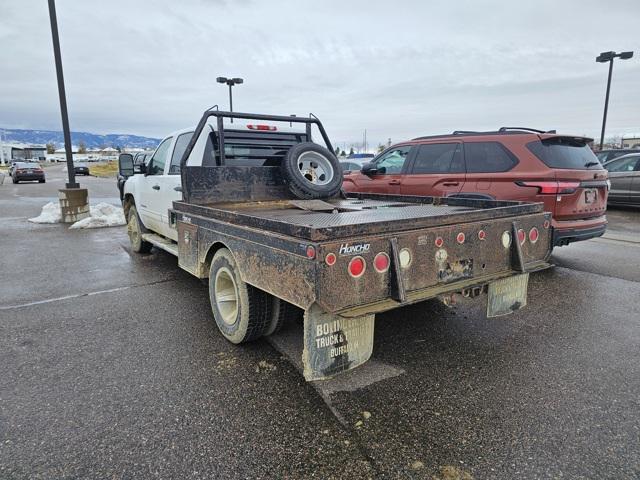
{"points": [[624, 174]]}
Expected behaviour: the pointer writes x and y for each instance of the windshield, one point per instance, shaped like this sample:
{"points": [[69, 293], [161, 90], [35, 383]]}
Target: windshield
{"points": [[565, 152]]}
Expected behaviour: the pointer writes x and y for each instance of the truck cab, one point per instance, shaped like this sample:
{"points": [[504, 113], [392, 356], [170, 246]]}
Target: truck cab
{"points": [[158, 185]]}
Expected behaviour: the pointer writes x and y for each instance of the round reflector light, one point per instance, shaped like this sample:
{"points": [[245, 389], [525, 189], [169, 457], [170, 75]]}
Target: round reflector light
{"points": [[521, 236], [506, 239], [311, 251], [482, 235], [405, 257], [460, 238], [357, 266], [439, 242], [330, 259], [546, 224], [381, 262], [534, 235]]}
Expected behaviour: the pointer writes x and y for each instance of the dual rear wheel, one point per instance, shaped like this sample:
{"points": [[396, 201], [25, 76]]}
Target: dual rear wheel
{"points": [[241, 311]]}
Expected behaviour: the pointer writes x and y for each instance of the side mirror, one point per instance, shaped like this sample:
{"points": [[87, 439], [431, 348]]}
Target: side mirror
{"points": [[125, 165], [370, 169]]}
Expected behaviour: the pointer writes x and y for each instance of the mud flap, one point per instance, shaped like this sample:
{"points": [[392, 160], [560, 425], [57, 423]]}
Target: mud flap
{"points": [[334, 344], [507, 295]]}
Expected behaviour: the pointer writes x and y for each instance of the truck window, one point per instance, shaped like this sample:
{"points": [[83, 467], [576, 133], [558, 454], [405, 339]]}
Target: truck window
{"points": [[251, 148], [159, 158], [438, 158], [488, 157], [181, 145]]}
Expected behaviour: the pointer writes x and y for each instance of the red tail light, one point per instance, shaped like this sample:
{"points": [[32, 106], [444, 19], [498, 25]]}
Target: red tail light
{"points": [[546, 224], [551, 187], [269, 128], [521, 236], [311, 252], [439, 242], [357, 267], [330, 259], [460, 238], [381, 262], [482, 235], [534, 235]]}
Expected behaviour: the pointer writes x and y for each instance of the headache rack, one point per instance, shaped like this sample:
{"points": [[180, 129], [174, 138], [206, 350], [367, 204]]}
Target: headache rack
{"points": [[235, 172]]}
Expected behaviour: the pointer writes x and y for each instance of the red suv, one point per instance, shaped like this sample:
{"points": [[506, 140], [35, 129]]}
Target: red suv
{"points": [[509, 164]]}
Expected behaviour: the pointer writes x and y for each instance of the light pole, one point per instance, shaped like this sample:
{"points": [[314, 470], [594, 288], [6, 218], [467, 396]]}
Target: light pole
{"points": [[603, 58], [231, 82], [74, 201]]}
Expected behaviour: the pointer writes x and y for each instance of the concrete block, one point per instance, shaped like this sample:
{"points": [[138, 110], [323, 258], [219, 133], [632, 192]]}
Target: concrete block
{"points": [[74, 204]]}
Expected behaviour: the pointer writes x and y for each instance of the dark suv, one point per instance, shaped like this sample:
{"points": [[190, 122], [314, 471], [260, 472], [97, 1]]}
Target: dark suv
{"points": [[508, 164]]}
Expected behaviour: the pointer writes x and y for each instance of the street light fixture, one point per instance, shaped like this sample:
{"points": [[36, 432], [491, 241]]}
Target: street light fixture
{"points": [[231, 82], [605, 57]]}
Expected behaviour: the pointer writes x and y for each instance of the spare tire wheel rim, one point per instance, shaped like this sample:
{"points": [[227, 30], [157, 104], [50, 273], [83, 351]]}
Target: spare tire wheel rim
{"points": [[226, 295], [315, 168]]}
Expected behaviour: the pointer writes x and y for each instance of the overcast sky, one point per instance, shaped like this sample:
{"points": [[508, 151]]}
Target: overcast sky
{"points": [[399, 69]]}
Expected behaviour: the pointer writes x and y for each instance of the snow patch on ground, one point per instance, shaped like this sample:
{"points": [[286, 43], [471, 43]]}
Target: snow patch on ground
{"points": [[102, 215], [50, 214]]}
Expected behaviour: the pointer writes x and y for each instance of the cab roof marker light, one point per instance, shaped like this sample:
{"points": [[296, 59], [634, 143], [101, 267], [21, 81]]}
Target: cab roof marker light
{"points": [[269, 128]]}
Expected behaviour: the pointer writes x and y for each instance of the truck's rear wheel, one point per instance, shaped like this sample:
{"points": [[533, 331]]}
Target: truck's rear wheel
{"points": [[135, 229], [282, 313], [241, 311], [312, 171]]}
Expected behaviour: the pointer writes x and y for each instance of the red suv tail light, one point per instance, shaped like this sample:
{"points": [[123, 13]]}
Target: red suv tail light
{"points": [[534, 235], [551, 187], [521, 236]]}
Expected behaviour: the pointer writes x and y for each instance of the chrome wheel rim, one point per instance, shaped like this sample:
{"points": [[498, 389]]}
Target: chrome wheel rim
{"points": [[315, 168], [226, 295]]}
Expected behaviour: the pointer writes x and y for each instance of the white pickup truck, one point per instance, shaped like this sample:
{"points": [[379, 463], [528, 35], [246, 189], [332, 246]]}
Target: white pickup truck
{"points": [[257, 209], [153, 192]]}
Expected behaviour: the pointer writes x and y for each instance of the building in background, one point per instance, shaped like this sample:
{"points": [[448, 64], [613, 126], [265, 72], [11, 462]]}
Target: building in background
{"points": [[12, 152], [631, 140]]}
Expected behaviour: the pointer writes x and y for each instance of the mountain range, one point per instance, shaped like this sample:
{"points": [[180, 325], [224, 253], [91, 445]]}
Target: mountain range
{"points": [[91, 140]]}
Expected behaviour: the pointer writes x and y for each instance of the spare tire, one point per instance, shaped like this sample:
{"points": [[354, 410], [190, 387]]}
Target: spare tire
{"points": [[312, 171]]}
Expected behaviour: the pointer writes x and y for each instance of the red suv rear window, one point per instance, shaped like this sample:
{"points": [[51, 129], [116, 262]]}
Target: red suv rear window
{"points": [[564, 152]]}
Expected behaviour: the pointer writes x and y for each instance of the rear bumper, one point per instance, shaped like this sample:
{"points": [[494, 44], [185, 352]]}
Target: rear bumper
{"points": [[565, 233], [22, 177]]}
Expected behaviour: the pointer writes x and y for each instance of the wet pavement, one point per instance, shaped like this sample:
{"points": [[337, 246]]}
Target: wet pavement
{"points": [[113, 368]]}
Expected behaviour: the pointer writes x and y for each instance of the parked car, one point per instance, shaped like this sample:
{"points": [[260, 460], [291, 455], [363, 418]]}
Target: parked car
{"points": [[508, 164], [355, 164], [624, 175], [81, 169], [607, 155], [25, 171]]}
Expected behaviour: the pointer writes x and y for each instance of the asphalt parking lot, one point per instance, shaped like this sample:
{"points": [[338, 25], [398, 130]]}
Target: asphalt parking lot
{"points": [[113, 368]]}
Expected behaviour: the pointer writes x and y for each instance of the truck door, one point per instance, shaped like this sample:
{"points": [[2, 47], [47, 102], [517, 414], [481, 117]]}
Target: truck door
{"points": [[436, 169], [170, 185], [150, 193], [390, 167]]}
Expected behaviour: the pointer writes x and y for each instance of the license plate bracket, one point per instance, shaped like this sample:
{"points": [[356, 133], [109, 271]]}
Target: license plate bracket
{"points": [[507, 295]]}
